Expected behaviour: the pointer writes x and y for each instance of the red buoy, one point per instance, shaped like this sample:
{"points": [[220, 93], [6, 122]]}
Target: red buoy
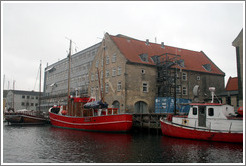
{"points": [[240, 111], [64, 112]]}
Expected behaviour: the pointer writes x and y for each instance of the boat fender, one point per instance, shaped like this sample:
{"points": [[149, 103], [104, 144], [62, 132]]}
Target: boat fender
{"points": [[64, 112], [169, 117]]}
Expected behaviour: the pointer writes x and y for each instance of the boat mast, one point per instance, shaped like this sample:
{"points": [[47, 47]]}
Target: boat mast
{"points": [[69, 69], [39, 101], [104, 64]]}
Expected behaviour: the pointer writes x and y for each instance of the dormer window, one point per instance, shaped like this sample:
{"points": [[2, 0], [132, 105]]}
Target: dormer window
{"points": [[144, 57], [156, 59], [207, 67]]}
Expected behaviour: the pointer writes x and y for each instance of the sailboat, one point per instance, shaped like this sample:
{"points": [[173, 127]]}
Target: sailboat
{"points": [[27, 117], [85, 113]]}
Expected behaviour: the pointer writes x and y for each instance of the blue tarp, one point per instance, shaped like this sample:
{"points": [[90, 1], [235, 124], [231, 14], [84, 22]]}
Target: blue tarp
{"points": [[166, 105], [96, 105]]}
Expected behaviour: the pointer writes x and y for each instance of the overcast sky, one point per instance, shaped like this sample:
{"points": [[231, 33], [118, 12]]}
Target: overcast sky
{"points": [[31, 32]]}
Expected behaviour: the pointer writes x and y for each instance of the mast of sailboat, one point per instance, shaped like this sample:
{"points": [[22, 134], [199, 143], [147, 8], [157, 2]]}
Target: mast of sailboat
{"points": [[40, 71], [69, 70], [103, 73]]}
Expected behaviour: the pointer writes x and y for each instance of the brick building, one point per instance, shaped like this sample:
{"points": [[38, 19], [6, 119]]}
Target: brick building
{"points": [[132, 75]]}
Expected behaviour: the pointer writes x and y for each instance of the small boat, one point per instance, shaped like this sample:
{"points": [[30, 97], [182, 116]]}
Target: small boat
{"points": [[206, 121], [84, 114], [25, 117]]}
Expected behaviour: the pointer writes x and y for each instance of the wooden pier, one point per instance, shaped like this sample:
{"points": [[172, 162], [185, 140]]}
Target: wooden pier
{"points": [[148, 122]]}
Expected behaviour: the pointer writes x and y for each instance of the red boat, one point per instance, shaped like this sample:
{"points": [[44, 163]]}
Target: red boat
{"points": [[90, 119], [206, 121]]}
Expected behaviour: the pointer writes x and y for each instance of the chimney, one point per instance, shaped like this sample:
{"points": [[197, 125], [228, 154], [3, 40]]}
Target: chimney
{"points": [[147, 42], [162, 45]]}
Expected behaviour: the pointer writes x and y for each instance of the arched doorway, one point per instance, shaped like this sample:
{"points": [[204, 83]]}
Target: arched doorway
{"points": [[140, 107], [116, 104]]}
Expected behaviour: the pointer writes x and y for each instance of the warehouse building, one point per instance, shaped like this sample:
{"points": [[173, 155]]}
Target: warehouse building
{"points": [[136, 72]]}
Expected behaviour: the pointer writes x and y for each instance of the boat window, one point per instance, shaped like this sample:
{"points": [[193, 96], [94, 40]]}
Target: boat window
{"points": [[211, 111], [194, 111]]}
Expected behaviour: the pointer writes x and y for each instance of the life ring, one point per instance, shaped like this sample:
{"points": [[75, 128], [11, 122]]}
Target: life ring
{"points": [[64, 112]]}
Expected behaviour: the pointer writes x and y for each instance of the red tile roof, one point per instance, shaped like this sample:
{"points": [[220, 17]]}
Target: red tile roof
{"points": [[232, 84], [193, 60]]}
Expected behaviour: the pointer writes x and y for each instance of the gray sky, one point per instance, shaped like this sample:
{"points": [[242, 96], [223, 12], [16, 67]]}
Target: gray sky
{"points": [[37, 31]]}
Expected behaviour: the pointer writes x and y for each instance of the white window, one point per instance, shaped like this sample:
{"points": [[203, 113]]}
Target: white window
{"points": [[97, 62], [145, 87], [184, 90], [119, 70], [113, 72], [107, 60], [178, 89], [102, 62], [106, 88], [114, 58], [96, 77], [119, 86], [184, 76], [107, 73]]}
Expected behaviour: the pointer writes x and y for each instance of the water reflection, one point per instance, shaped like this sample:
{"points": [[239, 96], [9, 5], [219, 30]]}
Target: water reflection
{"points": [[56, 145], [194, 151], [81, 146]]}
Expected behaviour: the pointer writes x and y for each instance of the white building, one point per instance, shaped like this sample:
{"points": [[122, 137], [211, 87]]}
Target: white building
{"points": [[19, 99]]}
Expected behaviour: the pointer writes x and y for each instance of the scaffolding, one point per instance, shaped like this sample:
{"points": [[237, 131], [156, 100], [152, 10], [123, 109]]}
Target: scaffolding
{"points": [[167, 74]]}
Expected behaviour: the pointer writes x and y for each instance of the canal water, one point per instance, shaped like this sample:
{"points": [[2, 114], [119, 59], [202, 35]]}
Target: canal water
{"points": [[47, 144]]}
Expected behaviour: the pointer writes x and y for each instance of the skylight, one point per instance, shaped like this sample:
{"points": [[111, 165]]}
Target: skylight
{"points": [[207, 67], [144, 57]]}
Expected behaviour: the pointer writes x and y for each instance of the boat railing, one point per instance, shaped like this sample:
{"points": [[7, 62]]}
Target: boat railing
{"points": [[30, 113]]}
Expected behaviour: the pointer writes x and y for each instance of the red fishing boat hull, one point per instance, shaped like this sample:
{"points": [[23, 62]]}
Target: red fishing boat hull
{"points": [[170, 129], [107, 123]]}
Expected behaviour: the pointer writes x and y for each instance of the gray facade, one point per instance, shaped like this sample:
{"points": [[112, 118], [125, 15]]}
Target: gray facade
{"points": [[56, 77], [22, 100]]}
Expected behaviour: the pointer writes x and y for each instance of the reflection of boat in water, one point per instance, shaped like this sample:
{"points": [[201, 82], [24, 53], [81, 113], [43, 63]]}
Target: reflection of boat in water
{"points": [[25, 118], [206, 121]]}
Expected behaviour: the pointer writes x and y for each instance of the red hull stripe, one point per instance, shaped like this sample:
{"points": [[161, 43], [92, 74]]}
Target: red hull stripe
{"points": [[88, 124]]}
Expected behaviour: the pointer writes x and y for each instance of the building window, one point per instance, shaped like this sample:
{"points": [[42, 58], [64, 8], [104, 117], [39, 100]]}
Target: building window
{"points": [[107, 60], [184, 76], [36, 104], [27, 104], [198, 78], [113, 72], [178, 89], [144, 57], [36, 97], [97, 62], [107, 73], [145, 87], [27, 97], [23, 97], [106, 88], [31, 104], [23, 104], [119, 70], [114, 58], [119, 86], [96, 77], [184, 90], [32, 97], [143, 71], [210, 112]]}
